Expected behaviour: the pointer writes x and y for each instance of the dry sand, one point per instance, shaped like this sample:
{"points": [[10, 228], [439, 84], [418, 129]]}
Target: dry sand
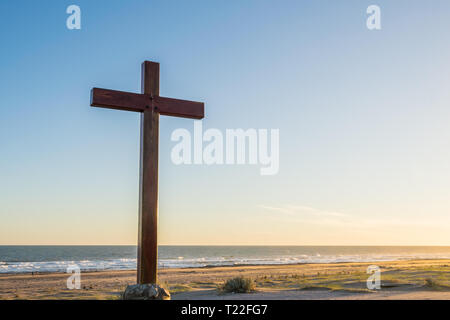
{"points": [[418, 279]]}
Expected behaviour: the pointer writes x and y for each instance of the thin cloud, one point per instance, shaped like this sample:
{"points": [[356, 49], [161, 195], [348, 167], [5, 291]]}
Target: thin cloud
{"points": [[305, 214], [295, 210]]}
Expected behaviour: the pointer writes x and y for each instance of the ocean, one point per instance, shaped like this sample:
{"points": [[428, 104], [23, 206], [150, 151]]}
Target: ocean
{"points": [[24, 259]]}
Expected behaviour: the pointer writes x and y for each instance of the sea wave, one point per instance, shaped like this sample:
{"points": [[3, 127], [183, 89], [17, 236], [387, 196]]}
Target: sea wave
{"points": [[182, 262], [62, 266]]}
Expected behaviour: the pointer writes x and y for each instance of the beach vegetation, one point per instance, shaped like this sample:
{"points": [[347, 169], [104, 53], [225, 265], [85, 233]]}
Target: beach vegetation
{"points": [[238, 285], [434, 284]]}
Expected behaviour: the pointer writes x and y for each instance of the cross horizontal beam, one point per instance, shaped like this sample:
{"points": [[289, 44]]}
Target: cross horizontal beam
{"points": [[120, 100]]}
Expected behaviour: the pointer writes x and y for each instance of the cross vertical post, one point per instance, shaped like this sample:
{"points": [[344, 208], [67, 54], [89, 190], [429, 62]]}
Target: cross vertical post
{"points": [[147, 256]]}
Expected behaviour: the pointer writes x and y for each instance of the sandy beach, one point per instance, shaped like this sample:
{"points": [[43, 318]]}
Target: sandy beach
{"points": [[417, 279]]}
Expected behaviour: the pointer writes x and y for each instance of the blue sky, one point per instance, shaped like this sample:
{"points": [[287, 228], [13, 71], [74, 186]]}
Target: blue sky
{"points": [[363, 119]]}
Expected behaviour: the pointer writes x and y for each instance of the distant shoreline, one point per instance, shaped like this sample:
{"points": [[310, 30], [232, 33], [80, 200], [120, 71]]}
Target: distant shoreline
{"points": [[28, 259], [280, 265]]}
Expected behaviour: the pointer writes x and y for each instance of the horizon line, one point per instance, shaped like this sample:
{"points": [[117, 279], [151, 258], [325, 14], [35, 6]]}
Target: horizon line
{"points": [[221, 245]]}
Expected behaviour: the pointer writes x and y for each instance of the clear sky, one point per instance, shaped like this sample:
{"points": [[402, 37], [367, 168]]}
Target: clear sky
{"points": [[363, 115]]}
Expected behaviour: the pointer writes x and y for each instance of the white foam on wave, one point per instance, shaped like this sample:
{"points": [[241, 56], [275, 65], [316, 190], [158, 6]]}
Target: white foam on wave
{"points": [[61, 266], [183, 262]]}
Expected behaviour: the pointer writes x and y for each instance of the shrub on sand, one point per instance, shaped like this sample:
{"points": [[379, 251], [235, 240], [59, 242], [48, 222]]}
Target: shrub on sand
{"points": [[238, 285], [433, 284]]}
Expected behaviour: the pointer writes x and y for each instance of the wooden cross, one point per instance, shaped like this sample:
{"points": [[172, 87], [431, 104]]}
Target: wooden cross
{"points": [[150, 105]]}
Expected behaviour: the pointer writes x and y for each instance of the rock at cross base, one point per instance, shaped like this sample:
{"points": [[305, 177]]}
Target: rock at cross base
{"points": [[145, 292]]}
